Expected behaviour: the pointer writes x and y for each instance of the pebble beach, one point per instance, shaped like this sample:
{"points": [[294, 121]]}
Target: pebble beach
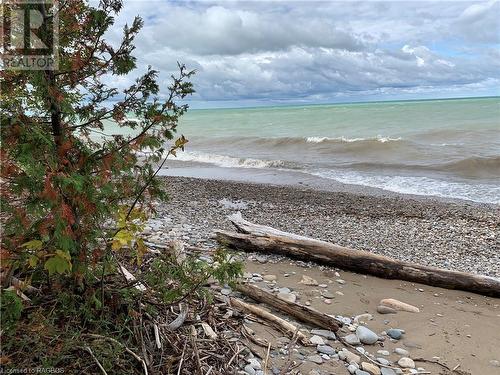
{"points": [[375, 339], [459, 235]]}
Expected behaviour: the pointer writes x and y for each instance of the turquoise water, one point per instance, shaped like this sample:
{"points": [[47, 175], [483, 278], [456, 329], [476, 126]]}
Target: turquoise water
{"points": [[448, 148]]}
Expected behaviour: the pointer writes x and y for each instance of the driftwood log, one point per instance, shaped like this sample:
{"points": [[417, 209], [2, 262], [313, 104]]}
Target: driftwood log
{"points": [[286, 327], [300, 312], [259, 238]]}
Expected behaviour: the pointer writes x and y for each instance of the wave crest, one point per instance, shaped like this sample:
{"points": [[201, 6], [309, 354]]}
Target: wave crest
{"points": [[378, 138], [228, 161]]}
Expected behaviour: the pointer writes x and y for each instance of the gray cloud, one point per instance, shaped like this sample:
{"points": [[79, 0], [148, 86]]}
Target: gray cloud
{"points": [[293, 50]]}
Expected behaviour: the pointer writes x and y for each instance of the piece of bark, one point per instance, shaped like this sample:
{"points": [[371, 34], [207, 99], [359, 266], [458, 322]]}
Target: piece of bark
{"points": [[130, 277], [259, 238], [286, 327], [300, 312]]}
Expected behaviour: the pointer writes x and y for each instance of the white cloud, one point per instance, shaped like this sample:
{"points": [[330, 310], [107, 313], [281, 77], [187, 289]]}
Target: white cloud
{"points": [[294, 50]]}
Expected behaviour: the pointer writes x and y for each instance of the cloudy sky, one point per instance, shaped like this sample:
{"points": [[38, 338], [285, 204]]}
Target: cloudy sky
{"points": [[287, 52]]}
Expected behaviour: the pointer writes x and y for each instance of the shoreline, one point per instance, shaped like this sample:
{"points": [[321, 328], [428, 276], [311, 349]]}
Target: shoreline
{"points": [[300, 179], [452, 235]]}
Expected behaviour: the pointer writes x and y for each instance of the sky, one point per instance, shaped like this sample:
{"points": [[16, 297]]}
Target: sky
{"points": [[249, 53]]}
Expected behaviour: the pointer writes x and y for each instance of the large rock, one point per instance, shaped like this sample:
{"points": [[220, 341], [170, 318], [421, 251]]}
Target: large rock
{"points": [[398, 305], [366, 336]]}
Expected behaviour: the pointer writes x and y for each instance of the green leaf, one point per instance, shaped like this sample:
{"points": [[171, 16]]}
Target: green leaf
{"points": [[60, 263], [33, 245]]}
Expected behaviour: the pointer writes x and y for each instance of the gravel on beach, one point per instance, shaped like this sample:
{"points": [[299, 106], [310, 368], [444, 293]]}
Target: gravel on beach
{"points": [[459, 235]]}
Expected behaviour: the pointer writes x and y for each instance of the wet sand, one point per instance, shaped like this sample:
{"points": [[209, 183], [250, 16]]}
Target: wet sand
{"points": [[458, 327]]}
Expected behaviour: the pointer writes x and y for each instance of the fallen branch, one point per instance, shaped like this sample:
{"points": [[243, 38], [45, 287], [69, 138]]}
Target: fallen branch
{"points": [[281, 324], [253, 237], [87, 348], [181, 318], [303, 313], [100, 337]]}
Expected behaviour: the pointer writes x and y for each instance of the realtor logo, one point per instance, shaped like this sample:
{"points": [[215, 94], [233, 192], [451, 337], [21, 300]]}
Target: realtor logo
{"points": [[29, 34]]}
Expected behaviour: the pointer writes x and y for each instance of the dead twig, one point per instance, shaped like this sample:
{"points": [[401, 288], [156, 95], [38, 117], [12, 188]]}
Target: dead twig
{"points": [[87, 348], [131, 352]]}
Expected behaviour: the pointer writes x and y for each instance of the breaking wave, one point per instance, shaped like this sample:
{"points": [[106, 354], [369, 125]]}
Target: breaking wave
{"points": [[228, 161]]}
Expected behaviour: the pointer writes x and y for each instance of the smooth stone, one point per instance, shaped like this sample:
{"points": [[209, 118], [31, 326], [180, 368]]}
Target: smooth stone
{"points": [[225, 292], [352, 369], [340, 281], [284, 290], [360, 349], [323, 286], [394, 333], [315, 358], [383, 352], [339, 293], [495, 363], [363, 318], [349, 357], [269, 277], [383, 361], [401, 352], [307, 280], [366, 336], [352, 339], [324, 333], [327, 294], [387, 371], [385, 310], [249, 370], [325, 349], [254, 363], [398, 305], [316, 340], [327, 301], [287, 297], [361, 372], [406, 362], [371, 368]]}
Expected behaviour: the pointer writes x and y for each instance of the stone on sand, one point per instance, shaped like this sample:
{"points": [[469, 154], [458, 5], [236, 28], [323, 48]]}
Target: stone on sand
{"points": [[385, 310], [316, 340], [324, 333], [366, 336], [370, 368], [406, 362], [307, 280], [398, 305]]}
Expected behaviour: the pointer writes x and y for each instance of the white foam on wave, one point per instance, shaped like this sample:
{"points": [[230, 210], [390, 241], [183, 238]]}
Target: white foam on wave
{"points": [[227, 161], [482, 193], [378, 138]]}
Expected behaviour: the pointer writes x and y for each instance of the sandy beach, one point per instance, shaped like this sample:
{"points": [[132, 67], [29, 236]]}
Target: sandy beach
{"points": [[454, 328]]}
